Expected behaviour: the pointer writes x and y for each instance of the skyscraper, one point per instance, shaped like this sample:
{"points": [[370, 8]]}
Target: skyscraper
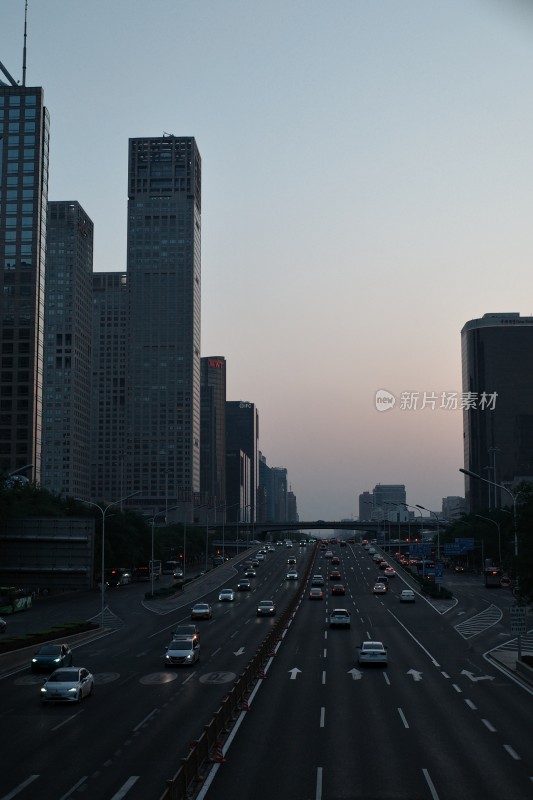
{"points": [[213, 429], [24, 140], [162, 449], [242, 433], [497, 358], [67, 352], [108, 386]]}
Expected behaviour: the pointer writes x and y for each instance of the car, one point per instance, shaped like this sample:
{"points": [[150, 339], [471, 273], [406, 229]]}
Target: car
{"points": [[343, 543], [226, 595], [291, 561], [244, 585], [201, 611], [407, 596], [338, 588], [390, 572], [266, 608], [376, 557], [459, 568], [187, 630], [317, 580], [382, 579], [3, 625], [182, 650], [380, 588], [316, 594], [67, 685], [250, 573], [335, 560], [339, 618], [372, 653], [260, 557], [178, 573], [335, 575], [50, 657], [383, 565], [292, 575], [271, 549], [328, 554]]}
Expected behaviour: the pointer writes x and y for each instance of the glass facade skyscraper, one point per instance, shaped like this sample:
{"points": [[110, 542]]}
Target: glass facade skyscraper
{"points": [[497, 360], [24, 142], [162, 446]]}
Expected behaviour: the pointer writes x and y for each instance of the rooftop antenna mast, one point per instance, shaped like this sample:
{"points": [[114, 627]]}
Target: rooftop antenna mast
{"points": [[24, 50]]}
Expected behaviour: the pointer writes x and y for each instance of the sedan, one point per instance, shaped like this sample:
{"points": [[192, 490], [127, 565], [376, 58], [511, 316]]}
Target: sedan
{"points": [[192, 631], [340, 618], [266, 608], [250, 573], [338, 588], [335, 575], [67, 685], [226, 595], [380, 588], [407, 596], [244, 585], [50, 657], [390, 572], [372, 653], [316, 594], [292, 575], [201, 611]]}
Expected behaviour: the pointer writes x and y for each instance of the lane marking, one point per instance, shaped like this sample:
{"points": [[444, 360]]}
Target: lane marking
{"points": [[318, 793], [324, 676], [74, 788], [386, 677], [403, 719], [406, 629], [429, 782], [20, 787], [325, 652], [322, 716], [471, 705], [457, 688], [145, 720], [68, 719], [125, 788], [488, 725], [512, 752]]}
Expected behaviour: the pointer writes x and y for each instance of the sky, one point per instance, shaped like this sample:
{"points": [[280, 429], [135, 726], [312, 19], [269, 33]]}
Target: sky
{"points": [[367, 188]]}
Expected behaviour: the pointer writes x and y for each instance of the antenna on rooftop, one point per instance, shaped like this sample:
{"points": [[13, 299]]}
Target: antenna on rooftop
{"points": [[24, 50]]}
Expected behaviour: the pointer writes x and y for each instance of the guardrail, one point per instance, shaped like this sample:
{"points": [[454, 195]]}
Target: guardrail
{"points": [[207, 749]]}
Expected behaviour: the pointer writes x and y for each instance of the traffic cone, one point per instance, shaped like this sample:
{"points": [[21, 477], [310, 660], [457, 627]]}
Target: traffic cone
{"points": [[218, 758]]}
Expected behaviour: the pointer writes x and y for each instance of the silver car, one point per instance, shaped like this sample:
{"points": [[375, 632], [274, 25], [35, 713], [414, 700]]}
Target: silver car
{"points": [[67, 685], [226, 595], [372, 653], [182, 651]]}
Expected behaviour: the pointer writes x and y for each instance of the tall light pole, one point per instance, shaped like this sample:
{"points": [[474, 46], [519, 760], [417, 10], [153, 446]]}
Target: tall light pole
{"points": [[157, 514], [499, 536], [103, 510], [513, 495], [438, 528]]}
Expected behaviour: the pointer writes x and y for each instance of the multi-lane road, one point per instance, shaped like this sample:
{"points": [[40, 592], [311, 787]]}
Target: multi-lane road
{"points": [[439, 722]]}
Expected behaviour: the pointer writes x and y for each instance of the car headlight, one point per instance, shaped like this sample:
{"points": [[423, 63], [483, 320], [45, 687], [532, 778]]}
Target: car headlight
{"points": [[72, 690], [57, 660], [189, 657], [34, 661], [43, 690]]}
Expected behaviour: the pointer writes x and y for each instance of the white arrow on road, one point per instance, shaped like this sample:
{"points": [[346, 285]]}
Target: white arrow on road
{"points": [[417, 676], [294, 672], [356, 675], [476, 678], [239, 652]]}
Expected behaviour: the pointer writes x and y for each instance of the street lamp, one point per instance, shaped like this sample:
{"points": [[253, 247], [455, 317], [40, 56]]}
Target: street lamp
{"points": [[438, 528], [499, 535], [165, 511], [513, 495], [103, 510]]}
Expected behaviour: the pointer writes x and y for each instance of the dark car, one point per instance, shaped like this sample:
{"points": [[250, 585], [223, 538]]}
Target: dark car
{"points": [[266, 608], [335, 575], [50, 657], [338, 588], [244, 585], [187, 630]]}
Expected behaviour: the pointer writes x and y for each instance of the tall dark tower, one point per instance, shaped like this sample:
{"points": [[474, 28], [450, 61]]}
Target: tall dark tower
{"points": [[24, 140], [213, 429], [497, 360], [162, 448]]}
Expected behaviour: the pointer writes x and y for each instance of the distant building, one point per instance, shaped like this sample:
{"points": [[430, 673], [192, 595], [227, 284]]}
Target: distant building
{"points": [[238, 487], [388, 502], [292, 507], [213, 429], [242, 434], [497, 359], [366, 505], [66, 428], [453, 507]]}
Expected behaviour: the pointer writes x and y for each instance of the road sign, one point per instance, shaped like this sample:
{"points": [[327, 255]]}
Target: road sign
{"points": [[518, 620]]}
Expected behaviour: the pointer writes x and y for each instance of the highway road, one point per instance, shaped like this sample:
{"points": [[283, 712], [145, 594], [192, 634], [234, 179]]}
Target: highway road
{"points": [[439, 722]]}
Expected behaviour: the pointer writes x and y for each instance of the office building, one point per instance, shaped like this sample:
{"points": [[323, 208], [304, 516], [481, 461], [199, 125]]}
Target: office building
{"points": [[213, 429], [366, 504], [162, 453], [242, 434], [24, 143], [238, 487], [453, 507], [388, 502], [66, 429], [108, 386], [497, 359]]}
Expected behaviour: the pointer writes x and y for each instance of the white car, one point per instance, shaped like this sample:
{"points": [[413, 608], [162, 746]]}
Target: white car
{"points": [[226, 595], [67, 685], [407, 596], [380, 588], [340, 618], [372, 653], [182, 650], [292, 575]]}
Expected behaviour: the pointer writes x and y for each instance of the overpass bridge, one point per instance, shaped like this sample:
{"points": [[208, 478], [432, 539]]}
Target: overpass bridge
{"points": [[375, 526]]}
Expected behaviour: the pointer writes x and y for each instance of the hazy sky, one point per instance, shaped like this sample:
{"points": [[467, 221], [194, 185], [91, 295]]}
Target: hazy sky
{"points": [[367, 188]]}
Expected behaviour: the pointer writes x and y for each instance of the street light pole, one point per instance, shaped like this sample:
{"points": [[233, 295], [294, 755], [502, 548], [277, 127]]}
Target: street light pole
{"points": [[438, 528], [499, 536], [513, 495], [103, 510]]}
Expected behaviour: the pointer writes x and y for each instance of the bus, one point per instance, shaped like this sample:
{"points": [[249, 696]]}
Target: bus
{"points": [[13, 599], [492, 576]]}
